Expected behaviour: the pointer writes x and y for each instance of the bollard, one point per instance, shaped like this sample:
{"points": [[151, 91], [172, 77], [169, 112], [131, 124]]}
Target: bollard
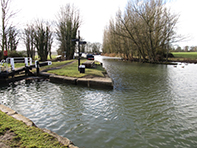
{"points": [[82, 68]]}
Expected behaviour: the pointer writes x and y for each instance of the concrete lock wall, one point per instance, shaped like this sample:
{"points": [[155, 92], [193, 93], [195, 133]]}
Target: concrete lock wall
{"points": [[100, 82]]}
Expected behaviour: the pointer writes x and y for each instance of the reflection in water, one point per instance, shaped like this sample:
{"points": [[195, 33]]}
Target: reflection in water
{"points": [[150, 106]]}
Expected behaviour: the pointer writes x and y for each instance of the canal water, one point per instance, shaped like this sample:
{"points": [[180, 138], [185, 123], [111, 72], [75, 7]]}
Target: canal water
{"points": [[150, 106]]}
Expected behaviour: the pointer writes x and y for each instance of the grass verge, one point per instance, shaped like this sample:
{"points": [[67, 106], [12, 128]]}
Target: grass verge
{"points": [[16, 65], [23, 135], [71, 70], [56, 64]]}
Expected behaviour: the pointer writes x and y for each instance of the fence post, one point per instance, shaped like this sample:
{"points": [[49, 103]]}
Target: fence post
{"points": [[26, 61], [37, 67], [12, 63], [30, 61]]}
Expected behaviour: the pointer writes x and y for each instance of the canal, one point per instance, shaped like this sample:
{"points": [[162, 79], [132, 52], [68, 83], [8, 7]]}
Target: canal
{"points": [[150, 106]]}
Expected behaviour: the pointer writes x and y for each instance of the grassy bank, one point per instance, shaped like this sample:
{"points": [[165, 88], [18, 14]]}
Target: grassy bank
{"points": [[71, 70], [178, 56], [21, 135], [187, 55]]}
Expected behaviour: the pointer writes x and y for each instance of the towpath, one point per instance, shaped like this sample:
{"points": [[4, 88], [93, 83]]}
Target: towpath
{"points": [[59, 67]]}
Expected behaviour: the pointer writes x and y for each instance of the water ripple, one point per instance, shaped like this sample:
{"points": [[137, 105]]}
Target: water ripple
{"points": [[151, 106]]}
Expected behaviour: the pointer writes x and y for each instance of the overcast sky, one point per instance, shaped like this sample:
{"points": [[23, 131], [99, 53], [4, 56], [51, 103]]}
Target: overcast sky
{"points": [[96, 15], [187, 21]]}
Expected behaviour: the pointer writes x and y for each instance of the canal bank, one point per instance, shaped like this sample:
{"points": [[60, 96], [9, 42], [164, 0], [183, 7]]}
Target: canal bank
{"points": [[150, 106], [89, 81], [7, 137], [94, 76], [66, 72]]}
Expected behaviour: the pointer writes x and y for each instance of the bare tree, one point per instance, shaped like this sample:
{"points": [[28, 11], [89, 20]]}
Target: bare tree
{"points": [[96, 47], [12, 38], [67, 26], [7, 14], [43, 40], [88, 47], [146, 27], [193, 48], [29, 39]]}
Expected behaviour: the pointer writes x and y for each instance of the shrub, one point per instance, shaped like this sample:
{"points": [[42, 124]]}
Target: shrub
{"points": [[17, 54]]}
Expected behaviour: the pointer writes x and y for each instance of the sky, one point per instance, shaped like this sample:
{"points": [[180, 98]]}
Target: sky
{"points": [[187, 24], [96, 15]]}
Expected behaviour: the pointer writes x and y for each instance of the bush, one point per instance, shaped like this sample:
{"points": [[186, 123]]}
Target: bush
{"points": [[17, 54], [170, 55]]}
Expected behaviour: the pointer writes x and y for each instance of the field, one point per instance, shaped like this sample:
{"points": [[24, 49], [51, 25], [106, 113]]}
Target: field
{"points": [[185, 55]]}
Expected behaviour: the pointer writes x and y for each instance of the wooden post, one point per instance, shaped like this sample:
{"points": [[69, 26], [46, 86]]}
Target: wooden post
{"points": [[30, 61], [37, 67], [12, 63], [26, 61]]}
